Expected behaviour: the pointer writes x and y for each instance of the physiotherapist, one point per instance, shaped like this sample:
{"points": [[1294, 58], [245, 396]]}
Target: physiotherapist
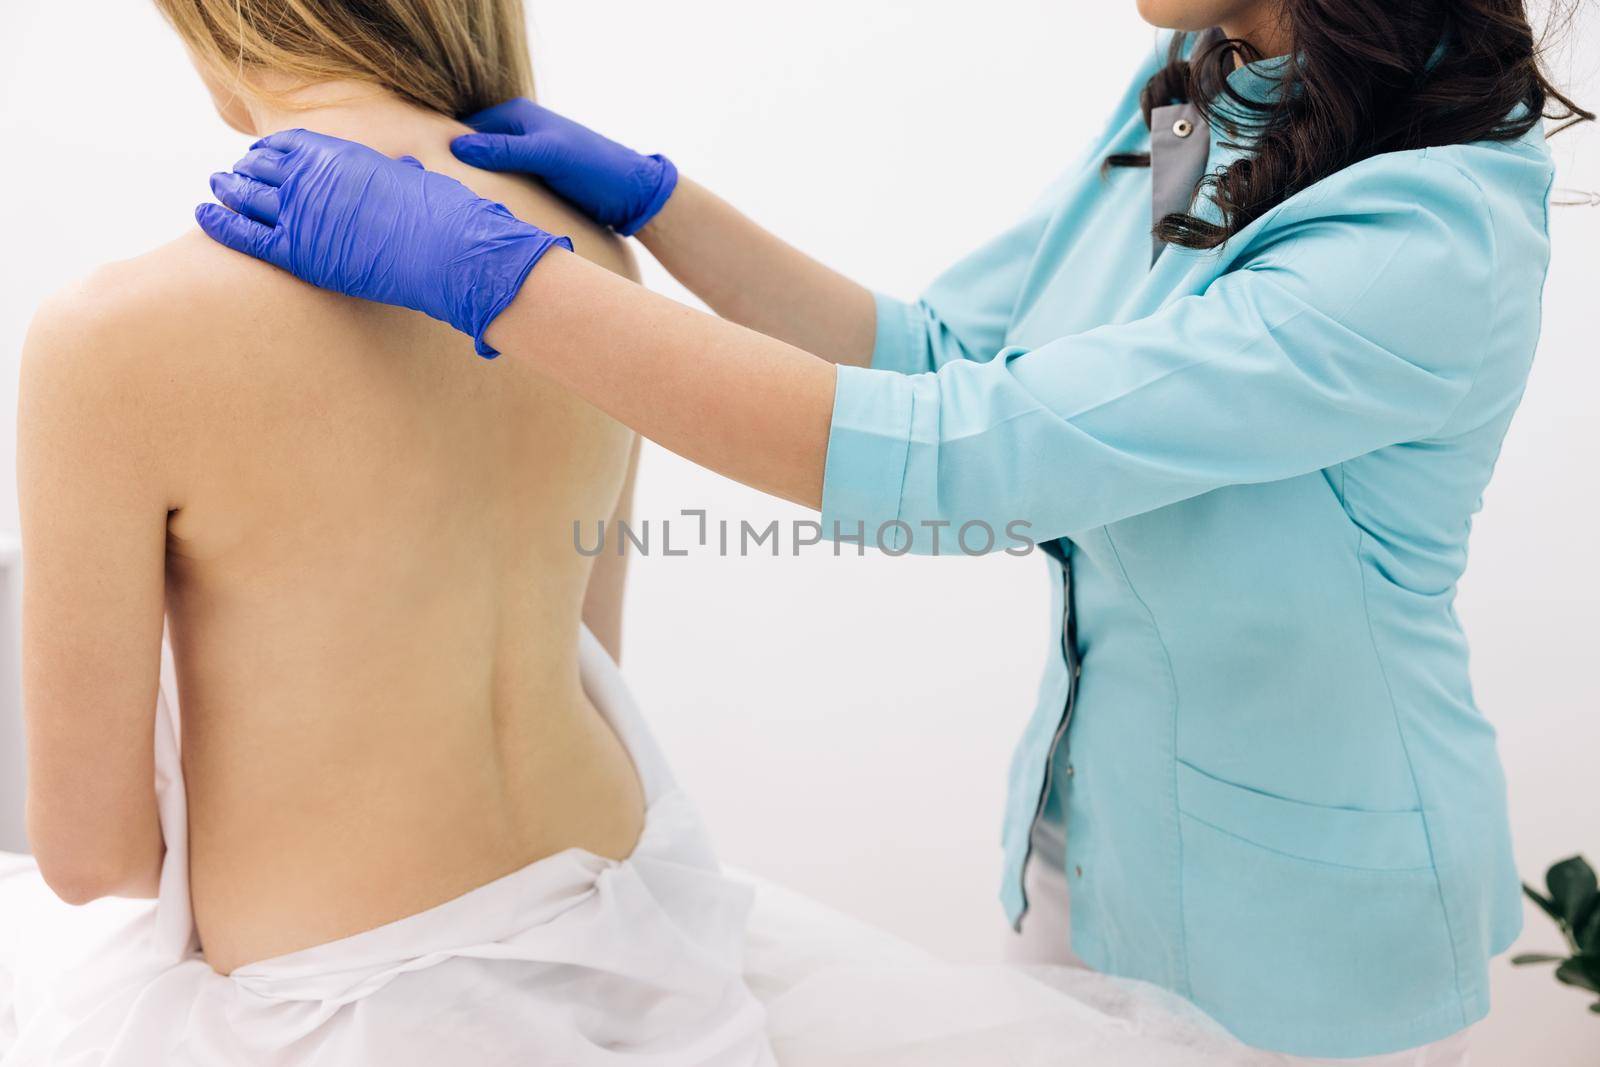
{"points": [[1244, 370]]}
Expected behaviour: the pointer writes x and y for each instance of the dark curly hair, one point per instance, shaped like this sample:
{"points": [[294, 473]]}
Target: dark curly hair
{"points": [[1361, 77]]}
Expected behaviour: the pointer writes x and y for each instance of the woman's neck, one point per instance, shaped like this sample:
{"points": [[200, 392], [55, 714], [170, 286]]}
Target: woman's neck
{"points": [[1263, 28], [348, 109]]}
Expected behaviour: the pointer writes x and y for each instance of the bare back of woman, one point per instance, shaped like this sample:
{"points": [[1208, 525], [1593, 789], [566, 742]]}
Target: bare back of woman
{"points": [[375, 598], [373, 593]]}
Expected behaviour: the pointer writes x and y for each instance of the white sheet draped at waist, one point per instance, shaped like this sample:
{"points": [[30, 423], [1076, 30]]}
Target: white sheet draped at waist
{"points": [[641, 918]]}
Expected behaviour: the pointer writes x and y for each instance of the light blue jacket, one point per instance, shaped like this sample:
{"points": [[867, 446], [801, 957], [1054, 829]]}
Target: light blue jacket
{"points": [[1281, 799]]}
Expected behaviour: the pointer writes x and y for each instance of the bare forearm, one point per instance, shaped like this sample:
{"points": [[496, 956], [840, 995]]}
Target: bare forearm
{"points": [[84, 858], [747, 275], [730, 399], [142, 876]]}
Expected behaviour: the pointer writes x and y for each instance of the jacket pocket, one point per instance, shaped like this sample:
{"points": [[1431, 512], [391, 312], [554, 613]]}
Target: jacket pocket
{"points": [[1313, 930], [1345, 837]]}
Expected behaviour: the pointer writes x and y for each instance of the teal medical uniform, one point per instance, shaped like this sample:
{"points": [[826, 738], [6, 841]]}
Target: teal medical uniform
{"points": [[1258, 466]]}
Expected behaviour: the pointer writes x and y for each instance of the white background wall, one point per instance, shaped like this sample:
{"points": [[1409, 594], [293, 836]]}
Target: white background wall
{"points": [[846, 722]]}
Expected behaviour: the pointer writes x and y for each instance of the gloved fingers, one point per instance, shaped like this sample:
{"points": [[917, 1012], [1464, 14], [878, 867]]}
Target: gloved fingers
{"points": [[237, 232], [512, 116], [498, 151], [264, 165], [291, 141], [250, 198]]}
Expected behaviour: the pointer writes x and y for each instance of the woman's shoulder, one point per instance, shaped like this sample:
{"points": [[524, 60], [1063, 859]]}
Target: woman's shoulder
{"points": [[1438, 255], [1488, 197], [131, 319], [121, 310], [114, 366]]}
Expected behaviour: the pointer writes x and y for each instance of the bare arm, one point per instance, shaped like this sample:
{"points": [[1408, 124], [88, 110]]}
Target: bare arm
{"points": [[94, 522], [749, 276], [748, 406], [602, 603]]}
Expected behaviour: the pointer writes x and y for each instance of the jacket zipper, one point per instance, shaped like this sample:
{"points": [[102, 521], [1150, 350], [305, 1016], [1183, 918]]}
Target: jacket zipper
{"points": [[1069, 648]]}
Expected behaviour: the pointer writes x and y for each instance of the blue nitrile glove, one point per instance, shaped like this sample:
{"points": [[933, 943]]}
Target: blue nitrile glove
{"points": [[613, 185], [345, 217]]}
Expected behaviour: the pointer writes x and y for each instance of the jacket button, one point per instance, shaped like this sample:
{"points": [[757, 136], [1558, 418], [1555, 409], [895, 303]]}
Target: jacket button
{"points": [[1182, 128], [1078, 871], [1070, 771]]}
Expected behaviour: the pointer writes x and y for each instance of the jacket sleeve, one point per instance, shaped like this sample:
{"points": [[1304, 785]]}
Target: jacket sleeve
{"points": [[1355, 320]]}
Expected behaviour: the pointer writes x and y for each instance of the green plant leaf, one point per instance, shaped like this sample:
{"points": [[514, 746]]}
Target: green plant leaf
{"points": [[1581, 971], [1535, 957], [1586, 931], [1572, 884], [1546, 905]]}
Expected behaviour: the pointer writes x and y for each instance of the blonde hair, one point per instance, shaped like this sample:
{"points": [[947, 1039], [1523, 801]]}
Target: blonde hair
{"points": [[451, 56]]}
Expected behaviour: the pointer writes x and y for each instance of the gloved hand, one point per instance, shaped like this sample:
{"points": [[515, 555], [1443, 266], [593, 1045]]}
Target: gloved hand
{"points": [[345, 217], [613, 185]]}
